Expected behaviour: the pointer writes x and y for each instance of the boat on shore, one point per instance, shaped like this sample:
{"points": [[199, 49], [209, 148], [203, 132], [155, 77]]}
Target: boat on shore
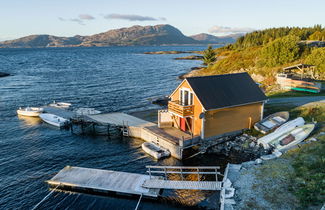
{"points": [[286, 127], [154, 150], [293, 137], [271, 122], [54, 120], [63, 105], [30, 111]]}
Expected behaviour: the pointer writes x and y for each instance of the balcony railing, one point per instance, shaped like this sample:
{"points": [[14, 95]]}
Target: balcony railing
{"points": [[181, 110]]}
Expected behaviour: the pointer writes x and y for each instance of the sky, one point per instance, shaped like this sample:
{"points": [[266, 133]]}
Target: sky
{"points": [[20, 18]]}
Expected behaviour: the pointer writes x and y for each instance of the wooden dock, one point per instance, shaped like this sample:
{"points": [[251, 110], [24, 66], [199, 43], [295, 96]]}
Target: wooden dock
{"points": [[103, 181], [119, 119]]}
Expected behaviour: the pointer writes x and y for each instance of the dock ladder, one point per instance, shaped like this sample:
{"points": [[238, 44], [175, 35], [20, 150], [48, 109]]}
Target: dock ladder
{"points": [[125, 129]]}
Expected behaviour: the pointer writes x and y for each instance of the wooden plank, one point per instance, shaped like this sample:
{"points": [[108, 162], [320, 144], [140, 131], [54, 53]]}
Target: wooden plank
{"points": [[119, 119], [182, 185], [103, 180]]}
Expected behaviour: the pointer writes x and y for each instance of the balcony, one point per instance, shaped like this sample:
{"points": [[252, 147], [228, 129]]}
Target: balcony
{"points": [[177, 108]]}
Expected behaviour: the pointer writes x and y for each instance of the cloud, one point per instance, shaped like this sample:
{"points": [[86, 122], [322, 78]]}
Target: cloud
{"points": [[226, 29], [80, 19], [77, 20], [132, 17], [86, 17]]}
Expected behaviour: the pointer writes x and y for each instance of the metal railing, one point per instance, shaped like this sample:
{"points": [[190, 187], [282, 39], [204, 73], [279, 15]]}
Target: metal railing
{"points": [[182, 110], [184, 170]]}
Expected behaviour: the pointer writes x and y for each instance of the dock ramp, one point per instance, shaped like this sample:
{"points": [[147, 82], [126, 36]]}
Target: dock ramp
{"points": [[181, 172]]}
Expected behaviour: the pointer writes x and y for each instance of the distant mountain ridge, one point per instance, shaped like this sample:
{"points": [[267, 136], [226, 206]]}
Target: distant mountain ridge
{"points": [[132, 36], [211, 39]]}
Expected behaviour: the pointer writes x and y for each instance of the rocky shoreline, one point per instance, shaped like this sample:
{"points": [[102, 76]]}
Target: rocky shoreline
{"points": [[244, 146], [190, 57], [170, 52]]}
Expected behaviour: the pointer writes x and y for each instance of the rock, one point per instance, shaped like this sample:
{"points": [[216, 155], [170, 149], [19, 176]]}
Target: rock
{"points": [[227, 183], [229, 192], [162, 101], [258, 161], [277, 153], [252, 145], [190, 57], [167, 52], [248, 163], [312, 139], [3, 74], [268, 157], [230, 201]]}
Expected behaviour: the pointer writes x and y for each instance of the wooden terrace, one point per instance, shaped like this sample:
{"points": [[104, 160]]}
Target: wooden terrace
{"points": [[177, 108]]}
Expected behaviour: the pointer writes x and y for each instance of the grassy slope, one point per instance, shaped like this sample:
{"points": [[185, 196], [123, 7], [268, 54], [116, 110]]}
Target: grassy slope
{"points": [[298, 176]]}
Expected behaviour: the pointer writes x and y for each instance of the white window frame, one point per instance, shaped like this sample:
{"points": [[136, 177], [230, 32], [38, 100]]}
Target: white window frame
{"points": [[182, 96]]}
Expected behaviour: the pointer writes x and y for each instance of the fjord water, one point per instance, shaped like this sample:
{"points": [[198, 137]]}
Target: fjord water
{"points": [[108, 79]]}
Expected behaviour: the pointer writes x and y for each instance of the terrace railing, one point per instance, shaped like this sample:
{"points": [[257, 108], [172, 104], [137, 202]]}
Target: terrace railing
{"points": [[177, 108]]}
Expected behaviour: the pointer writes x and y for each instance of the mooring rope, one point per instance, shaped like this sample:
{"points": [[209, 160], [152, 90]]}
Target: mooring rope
{"points": [[138, 204], [35, 207]]}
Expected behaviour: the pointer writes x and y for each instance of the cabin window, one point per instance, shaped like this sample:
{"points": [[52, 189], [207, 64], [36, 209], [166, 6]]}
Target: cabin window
{"points": [[185, 97]]}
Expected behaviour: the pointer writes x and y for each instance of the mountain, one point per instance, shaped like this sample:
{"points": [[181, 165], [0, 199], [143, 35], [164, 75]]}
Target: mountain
{"points": [[135, 35], [211, 39]]}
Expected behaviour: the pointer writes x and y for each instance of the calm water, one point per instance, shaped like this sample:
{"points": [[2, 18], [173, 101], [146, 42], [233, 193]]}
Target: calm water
{"points": [[109, 79]]}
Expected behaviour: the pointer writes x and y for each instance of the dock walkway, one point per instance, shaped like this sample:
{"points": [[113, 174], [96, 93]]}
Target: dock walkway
{"points": [[119, 119]]}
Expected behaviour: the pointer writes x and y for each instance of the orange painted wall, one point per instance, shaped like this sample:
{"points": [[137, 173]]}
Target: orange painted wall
{"points": [[227, 120], [197, 124]]}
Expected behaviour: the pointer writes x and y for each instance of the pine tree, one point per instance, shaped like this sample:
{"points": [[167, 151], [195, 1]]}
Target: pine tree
{"points": [[209, 56]]}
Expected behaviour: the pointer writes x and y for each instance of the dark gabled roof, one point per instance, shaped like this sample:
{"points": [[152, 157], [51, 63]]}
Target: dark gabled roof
{"points": [[226, 90]]}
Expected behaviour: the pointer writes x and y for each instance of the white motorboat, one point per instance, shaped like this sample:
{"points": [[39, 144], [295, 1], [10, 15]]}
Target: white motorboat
{"points": [[63, 105], [271, 122], [286, 127], [53, 119], [292, 137], [30, 111], [154, 150], [87, 111]]}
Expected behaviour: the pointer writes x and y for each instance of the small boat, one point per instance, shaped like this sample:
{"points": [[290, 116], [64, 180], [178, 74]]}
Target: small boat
{"points": [[286, 127], [87, 111], [30, 111], [271, 122], [63, 105], [53, 119], [292, 137], [154, 150]]}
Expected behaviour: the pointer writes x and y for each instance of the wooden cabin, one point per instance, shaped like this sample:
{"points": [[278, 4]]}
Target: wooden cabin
{"points": [[214, 106]]}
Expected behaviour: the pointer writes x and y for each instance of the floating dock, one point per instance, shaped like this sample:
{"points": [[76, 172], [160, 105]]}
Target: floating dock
{"points": [[103, 181]]}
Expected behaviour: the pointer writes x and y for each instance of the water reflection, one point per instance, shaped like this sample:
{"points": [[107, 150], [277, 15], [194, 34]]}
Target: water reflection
{"points": [[30, 121]]}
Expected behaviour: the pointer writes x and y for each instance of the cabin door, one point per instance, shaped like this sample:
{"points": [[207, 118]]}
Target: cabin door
{"points": [[182, 124], [185, 124]]}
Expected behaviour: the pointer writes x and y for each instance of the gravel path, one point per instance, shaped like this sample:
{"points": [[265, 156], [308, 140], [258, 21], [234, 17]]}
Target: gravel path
{"points": [[298, 101]]}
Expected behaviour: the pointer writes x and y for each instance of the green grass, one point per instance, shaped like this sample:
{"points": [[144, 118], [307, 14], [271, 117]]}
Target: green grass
{"points": [[308, 179], [309, 113]]}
